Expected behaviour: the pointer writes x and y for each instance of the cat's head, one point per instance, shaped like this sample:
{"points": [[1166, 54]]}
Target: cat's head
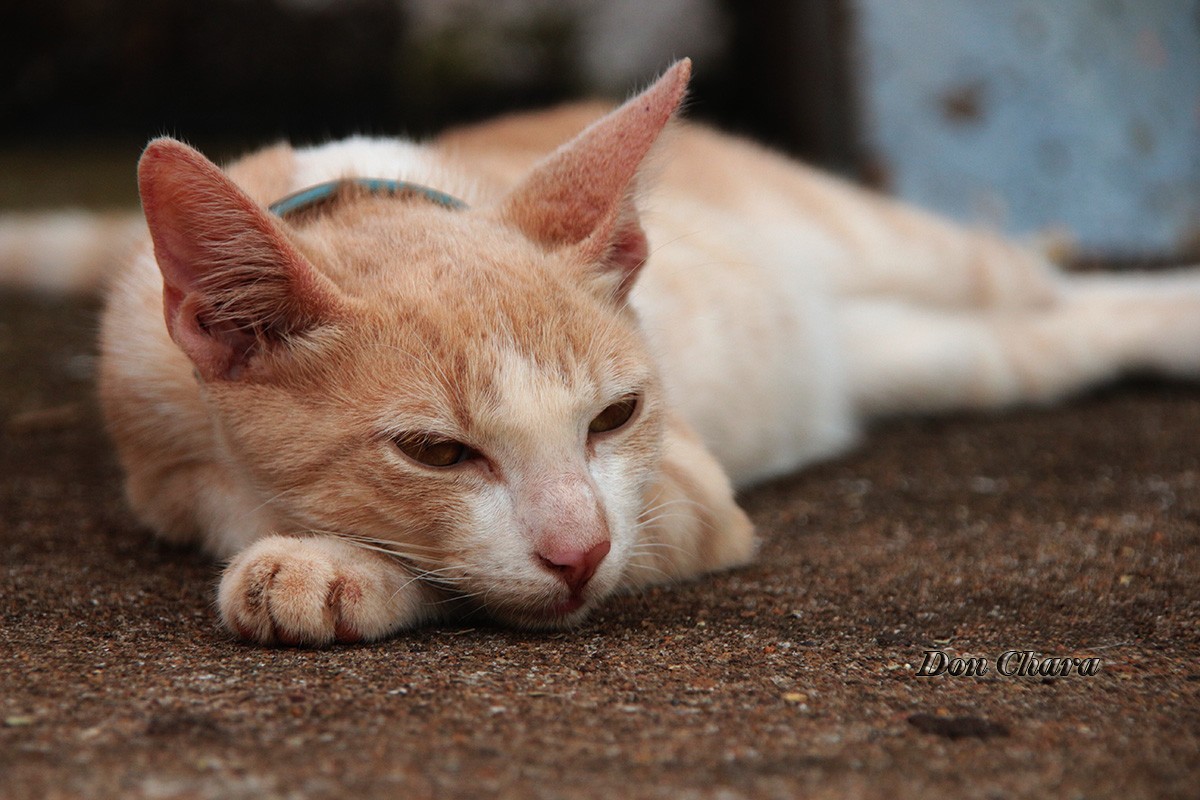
{"points": [[467, 388]]}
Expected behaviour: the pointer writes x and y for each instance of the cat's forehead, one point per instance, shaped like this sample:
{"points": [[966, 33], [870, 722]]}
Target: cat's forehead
{"points": [[459, 275], [457, 295], [375, 247], [507, 338]]}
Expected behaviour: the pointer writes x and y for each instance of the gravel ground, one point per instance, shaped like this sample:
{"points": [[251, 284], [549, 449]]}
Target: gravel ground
{"points": [[1069, 532]]}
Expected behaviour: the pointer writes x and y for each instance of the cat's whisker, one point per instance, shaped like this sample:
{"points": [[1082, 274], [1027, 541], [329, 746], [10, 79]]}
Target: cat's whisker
{"points": [[662, 573], [392, 544], [440, 573], [654, 506], [408, 546], [701, 519], [410, 560], [641, 547], [434, 577], [647, 521], [658, 248], [651, 521], [650, 561], [682, 501], [267, 502], [456, 597], [431, 575]]}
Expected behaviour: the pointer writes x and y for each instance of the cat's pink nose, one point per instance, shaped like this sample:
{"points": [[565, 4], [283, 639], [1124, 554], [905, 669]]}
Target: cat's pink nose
{"points": [[575, 567]]}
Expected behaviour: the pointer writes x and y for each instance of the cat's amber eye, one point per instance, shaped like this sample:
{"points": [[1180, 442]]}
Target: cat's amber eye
{"points": [[433, 452], [615, 415]]}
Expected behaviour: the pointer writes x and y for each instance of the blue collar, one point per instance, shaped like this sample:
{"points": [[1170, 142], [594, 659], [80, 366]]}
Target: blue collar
{"points": [[323, 192]]}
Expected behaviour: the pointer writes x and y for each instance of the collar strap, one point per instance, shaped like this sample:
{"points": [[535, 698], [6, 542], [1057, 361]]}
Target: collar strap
{"points": [[324, 192]]}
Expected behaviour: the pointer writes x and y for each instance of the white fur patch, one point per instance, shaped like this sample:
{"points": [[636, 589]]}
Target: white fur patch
{"points": [[62, 250], [365, 157], [537, 428]]}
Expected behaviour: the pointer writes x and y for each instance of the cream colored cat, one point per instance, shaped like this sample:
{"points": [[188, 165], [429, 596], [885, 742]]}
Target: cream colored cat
{"points": [[520, 385]]}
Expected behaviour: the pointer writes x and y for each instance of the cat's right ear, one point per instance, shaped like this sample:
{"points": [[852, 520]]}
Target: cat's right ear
{"points": [[234, 288]]}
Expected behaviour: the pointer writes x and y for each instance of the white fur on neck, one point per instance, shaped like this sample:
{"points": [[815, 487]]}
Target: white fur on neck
{"points": [[366, 157]]}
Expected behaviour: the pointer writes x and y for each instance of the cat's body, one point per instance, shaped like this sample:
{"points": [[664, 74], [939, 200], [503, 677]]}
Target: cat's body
{"points": [[481, 394]]}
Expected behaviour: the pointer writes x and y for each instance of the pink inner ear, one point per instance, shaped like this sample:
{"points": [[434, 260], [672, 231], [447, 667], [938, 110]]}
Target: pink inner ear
{"points": [[231, 280], [619, 250], [583, 192]]}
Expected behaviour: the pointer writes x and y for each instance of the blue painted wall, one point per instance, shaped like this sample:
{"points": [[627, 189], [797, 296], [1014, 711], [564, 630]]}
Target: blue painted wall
{"points": [[1025, 115]]}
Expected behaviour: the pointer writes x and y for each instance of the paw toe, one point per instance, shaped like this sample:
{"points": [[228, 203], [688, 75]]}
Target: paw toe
{"points": [[292, 592]]}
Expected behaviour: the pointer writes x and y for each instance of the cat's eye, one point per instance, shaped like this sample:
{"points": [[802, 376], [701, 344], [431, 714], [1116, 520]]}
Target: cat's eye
{"points": [[432, 451], [615, 415]]}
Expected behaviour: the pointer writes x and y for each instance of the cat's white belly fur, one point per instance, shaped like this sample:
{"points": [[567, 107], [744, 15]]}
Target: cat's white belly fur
{"points": [[745, 332]]}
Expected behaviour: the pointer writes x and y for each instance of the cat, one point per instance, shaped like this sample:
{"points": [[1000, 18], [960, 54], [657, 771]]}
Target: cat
{"points": [[523, 366]]}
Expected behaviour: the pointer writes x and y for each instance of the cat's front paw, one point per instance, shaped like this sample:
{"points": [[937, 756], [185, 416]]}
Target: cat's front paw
{"points": [[311, 591]]}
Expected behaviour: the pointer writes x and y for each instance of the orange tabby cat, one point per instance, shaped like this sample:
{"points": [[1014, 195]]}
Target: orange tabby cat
{"points": [[514, 383]]}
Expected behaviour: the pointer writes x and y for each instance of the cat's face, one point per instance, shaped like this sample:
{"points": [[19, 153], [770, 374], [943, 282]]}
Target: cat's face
{"points": [[481, 406], [465, 388]]}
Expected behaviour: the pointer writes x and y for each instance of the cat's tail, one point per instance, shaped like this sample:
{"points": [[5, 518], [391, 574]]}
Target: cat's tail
{"points": [[62, 251]]}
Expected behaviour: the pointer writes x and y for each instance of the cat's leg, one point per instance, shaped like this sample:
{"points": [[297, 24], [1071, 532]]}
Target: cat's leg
{"points": [[196, 501], [690, 523], [281, 589], [929, 262], [317, 590], [902, 357]]}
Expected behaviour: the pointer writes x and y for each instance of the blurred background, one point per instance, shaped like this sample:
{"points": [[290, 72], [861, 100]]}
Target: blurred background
{"points": [[1031, 117]]}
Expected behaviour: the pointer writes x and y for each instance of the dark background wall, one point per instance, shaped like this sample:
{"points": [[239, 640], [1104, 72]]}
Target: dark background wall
{"points": [[1083, 119], [259, 69]]}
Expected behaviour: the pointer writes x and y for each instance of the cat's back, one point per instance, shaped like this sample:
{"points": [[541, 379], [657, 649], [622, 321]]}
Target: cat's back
{"points": [[721, 171]]}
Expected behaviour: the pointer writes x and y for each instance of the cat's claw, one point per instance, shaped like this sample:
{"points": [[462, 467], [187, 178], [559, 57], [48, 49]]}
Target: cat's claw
{"points": [[290, 591]]}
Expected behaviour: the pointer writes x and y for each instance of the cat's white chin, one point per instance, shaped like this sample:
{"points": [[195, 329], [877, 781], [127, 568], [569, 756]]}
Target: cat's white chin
{"points": [[553, 615]]}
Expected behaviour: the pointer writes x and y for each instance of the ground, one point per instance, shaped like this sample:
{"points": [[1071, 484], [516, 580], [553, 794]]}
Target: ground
{"points": [[1069, 532]]}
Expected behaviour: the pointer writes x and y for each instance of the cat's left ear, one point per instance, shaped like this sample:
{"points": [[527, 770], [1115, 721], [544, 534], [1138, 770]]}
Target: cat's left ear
{"points": [[582, 195]]}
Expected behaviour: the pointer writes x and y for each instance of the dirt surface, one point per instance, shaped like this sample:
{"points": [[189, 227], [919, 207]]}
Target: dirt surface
{"points": [[1071, 532]]}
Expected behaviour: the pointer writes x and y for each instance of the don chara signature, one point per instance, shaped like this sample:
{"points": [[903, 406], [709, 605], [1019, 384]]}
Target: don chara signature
{"points": [[1010, 664]]}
